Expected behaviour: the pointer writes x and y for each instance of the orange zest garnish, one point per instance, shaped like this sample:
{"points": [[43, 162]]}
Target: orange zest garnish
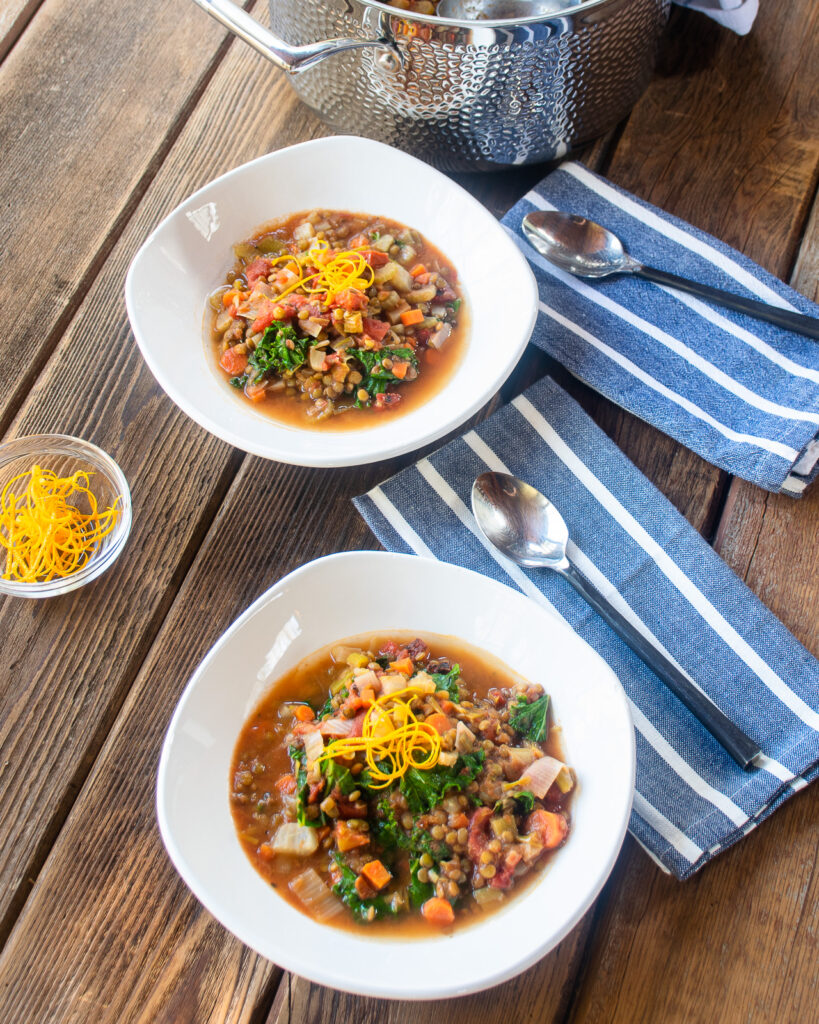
{"points": [[392, 739], [44, 534]]}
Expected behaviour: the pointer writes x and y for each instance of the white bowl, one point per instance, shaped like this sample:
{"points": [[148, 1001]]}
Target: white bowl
{"points": [[381, 591], [188, 255]]}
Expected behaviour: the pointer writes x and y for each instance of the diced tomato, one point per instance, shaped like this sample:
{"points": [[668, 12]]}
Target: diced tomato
{"points": [[315, 791], [234, 361], [266, 314], [384, 401], [351, 299], [375, 258], [358, 725], [258, 268], [376, 329], [478, 833], [502, 878], [552, 828], [438, 911]]}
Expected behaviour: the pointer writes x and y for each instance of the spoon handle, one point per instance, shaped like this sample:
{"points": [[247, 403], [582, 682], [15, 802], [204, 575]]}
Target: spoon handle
{"points": [[807, 325], [741, 748]]}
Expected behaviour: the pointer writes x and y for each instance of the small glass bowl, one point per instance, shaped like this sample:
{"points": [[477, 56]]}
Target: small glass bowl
{"points": [[66, 455]]}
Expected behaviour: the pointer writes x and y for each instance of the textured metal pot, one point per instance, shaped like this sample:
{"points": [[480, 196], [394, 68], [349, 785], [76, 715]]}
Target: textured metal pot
{"points": [[461, 95]]}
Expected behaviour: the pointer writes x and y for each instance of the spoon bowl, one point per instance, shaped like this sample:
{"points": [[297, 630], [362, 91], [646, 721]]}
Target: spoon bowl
{"points": [[575, 244], [520, 521]]}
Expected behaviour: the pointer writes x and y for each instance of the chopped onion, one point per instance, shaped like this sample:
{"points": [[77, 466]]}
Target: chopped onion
{"points": [[311, 327], [488, 895], [403, 279], [336, 727], [464, 738], [300, 840], [519, 759], [383, 243], [393, 683], [303, 231], [313, 745], [316, 358], [540, 775], [440, 336], [315, 895], [447, 758]]}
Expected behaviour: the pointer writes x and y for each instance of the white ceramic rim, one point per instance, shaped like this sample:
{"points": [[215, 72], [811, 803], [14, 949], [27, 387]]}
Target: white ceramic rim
{"points": [[313, 970], [321, 460]]}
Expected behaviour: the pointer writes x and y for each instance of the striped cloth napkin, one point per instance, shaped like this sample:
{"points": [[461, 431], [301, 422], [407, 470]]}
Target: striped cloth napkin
{"points": [[741, 393], [692, 801]]}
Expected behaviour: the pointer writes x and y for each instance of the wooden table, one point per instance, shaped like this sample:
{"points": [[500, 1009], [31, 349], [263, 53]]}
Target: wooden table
{"points": [[112, 113]]}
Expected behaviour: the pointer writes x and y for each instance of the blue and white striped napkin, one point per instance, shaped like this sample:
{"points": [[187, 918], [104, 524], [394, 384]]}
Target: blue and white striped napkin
{"points": [[692, 800], [741, 393]]}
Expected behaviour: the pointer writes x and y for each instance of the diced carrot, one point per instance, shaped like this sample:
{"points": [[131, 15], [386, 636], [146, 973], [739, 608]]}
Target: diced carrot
{"points": [[256, 393], [399, 368], [304, 713], [347, 839], [447, 706], [438, 911], [286, 784], [440, 723], [403, 665], [368, 694], [419, 268], [233, 362], [358, 242], [266, 851], [551, 828], [411, 316], [376, 874], [459, 820], [363, 888], [229, 297]]}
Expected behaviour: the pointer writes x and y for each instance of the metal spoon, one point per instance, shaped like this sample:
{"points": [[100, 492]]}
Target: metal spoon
{"points": [[500, 10], [526, 527], [586, 249]]}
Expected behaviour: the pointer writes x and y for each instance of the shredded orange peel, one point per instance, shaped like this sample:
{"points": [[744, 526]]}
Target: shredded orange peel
{"points": [[347, 269], [45, 536], [392, 739]]}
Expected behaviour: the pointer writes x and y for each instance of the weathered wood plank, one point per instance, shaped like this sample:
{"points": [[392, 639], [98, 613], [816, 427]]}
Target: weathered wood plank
{"points": [[72, 660], [88, 104], [14, 16], [738, 940]]}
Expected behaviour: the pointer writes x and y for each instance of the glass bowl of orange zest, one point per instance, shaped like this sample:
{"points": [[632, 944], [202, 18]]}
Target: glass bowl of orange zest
{"points": [[65, 514]]}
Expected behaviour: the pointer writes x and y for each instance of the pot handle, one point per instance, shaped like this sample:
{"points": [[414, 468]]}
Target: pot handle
{"points": [[291, 59]]}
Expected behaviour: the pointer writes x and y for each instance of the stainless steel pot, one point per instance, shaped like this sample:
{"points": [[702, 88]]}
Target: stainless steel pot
{"points": [[461, 95]]}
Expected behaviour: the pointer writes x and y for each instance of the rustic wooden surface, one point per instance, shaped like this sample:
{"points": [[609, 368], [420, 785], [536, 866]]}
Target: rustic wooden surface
{"points": [[108, 121]]}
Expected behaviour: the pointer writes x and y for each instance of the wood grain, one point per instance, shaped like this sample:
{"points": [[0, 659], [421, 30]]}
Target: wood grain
{"points": [[88, 106], [737, 942], [72, 660], [14, 16]]}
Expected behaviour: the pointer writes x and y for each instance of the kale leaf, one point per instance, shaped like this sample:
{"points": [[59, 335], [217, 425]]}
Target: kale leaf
{"points": [[338, 775], [376, 378], [345, 889], [448, 681], [418, 892], [238, 382], [385, 828], [524, 801], [297, 755], [529, 719], [280, 351], [424, 789]]}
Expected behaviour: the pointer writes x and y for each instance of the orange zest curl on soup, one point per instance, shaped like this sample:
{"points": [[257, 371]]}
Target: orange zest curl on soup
{"points": [[389, 785]]}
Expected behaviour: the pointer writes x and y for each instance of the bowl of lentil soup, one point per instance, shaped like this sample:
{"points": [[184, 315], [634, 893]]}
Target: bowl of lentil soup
{"points": [[292, 299], [278, 676]]}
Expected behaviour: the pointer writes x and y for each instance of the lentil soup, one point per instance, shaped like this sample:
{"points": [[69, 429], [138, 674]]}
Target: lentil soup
{"points": [[402, 784], [333, 320]]}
